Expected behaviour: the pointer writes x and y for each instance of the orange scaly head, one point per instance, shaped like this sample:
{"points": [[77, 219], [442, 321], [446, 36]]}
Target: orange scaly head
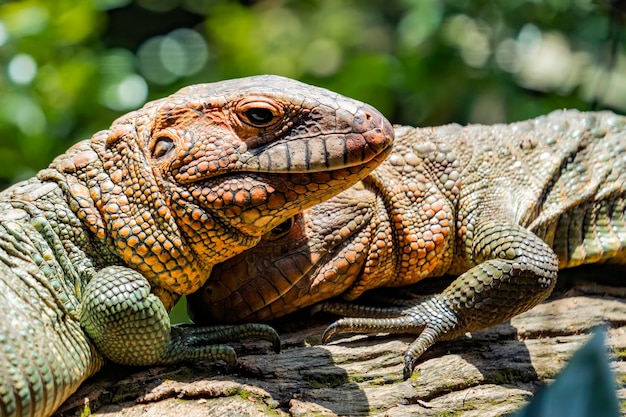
{"points": [[196, 178]]}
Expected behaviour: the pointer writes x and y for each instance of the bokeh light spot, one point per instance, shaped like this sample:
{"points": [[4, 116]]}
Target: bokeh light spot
{"points": [[4, 36], [129, 93], [24, 113], [323, 57], [181, 53], [22, 69]]}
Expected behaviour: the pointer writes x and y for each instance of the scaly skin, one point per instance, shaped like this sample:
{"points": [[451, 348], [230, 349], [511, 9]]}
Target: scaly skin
{"points": [[494, 205], [97, 248]]}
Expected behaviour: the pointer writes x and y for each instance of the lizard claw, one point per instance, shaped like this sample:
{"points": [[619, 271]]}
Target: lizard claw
{"points": [[409, 365], [275, 340], [229, 356], [329, 332]]}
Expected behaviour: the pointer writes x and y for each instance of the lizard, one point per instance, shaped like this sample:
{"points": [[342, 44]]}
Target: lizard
{"points": [[97, 248], [500, 207]]}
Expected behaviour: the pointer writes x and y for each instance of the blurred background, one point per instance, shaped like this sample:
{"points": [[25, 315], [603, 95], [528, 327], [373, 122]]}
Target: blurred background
{"points": [[70, 67]]}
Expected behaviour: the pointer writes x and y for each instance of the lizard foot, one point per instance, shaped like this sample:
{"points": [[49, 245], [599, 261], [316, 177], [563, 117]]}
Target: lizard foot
{"points": [[196, 336], [130, 325], [430, 318], [490, 293], [191, 343]]}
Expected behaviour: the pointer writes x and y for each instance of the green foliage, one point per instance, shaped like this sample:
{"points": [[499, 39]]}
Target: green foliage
{"points": [[179, 312], [73, 66], [585, 388]]}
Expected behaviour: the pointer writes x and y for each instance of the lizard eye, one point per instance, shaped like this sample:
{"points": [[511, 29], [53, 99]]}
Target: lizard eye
{"points": [[259, 117], [260, 113], [162, 147], [281, 230]]}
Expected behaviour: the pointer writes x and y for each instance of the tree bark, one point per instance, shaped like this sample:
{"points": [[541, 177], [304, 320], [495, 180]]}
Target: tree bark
{"points": [[491, 373]]}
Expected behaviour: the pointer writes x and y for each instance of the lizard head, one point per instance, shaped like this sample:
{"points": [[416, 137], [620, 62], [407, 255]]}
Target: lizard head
{"points": [[251, 153], [195, 178], [318, 254]]}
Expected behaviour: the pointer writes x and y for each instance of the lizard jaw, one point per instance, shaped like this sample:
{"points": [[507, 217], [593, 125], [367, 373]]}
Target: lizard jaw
{"points": [[257, 202]]}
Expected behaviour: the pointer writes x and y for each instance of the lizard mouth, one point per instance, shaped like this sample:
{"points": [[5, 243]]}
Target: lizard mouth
{"points": [[257, 202], [320, 152]]}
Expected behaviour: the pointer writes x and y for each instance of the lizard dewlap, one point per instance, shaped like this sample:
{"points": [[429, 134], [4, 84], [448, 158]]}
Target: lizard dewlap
{"points": [[97, 248]]}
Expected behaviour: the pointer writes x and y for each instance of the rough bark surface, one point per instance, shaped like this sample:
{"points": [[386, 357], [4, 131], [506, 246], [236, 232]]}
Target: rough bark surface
{"points": [[491, 373]]}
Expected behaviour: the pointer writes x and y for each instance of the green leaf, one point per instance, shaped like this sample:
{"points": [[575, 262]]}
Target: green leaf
{"points": [[585, 388]]}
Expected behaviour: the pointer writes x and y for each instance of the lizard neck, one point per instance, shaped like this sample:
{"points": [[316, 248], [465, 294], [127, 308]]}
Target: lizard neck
{"points": [[120, 203]]}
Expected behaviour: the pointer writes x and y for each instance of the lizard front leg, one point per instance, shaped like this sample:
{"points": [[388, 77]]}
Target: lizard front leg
{"points": [[515, 271], [130, 325]]}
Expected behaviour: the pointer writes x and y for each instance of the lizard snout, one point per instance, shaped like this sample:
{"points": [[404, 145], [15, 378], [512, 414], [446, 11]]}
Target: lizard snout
{"points": [[377, 130], [372, 135]]}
